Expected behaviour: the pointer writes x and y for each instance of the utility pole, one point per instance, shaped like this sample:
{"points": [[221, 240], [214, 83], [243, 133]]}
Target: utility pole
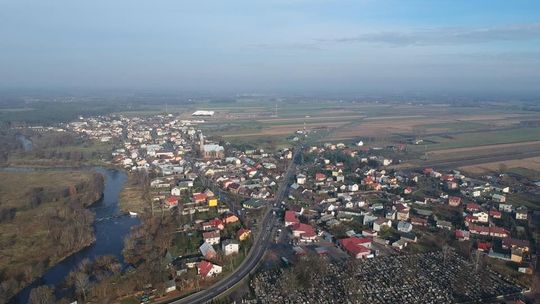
{"points": [[446, 253]]}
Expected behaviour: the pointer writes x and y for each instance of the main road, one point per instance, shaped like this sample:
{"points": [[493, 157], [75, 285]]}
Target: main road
{"points": [[258, 249]]}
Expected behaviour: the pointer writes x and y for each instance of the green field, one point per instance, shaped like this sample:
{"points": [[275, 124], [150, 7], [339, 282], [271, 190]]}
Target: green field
{"points": [[480, 138], [456, 126], [528, 173]]}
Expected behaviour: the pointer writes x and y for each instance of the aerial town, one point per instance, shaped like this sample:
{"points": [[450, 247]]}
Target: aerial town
{"points": [[403, 234]]}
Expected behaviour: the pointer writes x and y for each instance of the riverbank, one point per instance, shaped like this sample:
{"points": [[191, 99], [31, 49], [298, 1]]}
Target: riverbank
{"points": [[110, 229], [43, 220]]}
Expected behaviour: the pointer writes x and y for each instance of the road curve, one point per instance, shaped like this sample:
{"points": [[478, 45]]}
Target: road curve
{"points": [[256, 252]]}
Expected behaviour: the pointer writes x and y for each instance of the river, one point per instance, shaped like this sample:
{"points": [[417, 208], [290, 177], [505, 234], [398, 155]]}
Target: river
{"points": [[110, 229]]}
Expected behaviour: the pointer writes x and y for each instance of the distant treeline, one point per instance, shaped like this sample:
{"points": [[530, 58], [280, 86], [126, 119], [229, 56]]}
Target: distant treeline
{"points": [[53, 112]]}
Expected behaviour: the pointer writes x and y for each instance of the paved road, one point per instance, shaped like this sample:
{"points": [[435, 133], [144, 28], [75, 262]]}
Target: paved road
{"points": [[256, 253]]}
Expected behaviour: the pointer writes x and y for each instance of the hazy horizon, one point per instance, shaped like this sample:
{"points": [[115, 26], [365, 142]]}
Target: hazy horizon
{"points": [[290, 47]]}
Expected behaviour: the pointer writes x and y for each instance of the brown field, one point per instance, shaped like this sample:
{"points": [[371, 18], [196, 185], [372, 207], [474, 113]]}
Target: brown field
{"points": [[310, 119], [382, 127], [491, 117], [375, 123], [532, 163], [286, 130]]}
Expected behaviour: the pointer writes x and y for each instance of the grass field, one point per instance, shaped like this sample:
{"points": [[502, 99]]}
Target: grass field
{"points": [[131, 197], [475, 139]]}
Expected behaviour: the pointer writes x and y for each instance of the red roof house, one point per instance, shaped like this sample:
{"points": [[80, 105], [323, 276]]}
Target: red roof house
{"points": [[213, 224], [304, 232], [171, 201], [356, 247], [199, 197], [207, 269], [473, 207], [484, 246], [291, 218], [320, 177], [495, 214]]}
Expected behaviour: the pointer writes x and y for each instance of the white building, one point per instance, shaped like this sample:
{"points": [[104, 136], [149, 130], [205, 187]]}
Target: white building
{"points": [[176, 191], [211, 237], [482, 217], [230, 247]]}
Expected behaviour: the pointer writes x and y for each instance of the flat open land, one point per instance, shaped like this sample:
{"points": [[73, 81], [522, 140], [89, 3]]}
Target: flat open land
{"points": [[532, 163], [452, 135]]}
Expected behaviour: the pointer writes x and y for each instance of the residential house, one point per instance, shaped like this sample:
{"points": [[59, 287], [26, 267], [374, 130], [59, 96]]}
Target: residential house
{"points": [[199, 197], [472, 207], [521, 213], [498, 198], [211, 237], [379, 223], [484, 246], [391, 214], [320, 177], [212, 202], [418, 221], [290, 218], [207, 269], [368, 219], [305, 232], [230, 218], [444, 225], [506, 208], [462, 235], [230, 247], [356, 247], [516, 255], [176, 191], [301, 179], [243, 234], [495, 214], [481, 217], [509, 243], [400, 244], [171, 201], [402, 211], [404, 226], [253, 203], [207, 251], [493, 231], [213, 224]]}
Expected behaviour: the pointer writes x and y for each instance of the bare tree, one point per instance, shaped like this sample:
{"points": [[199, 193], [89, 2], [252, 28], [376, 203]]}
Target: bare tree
{"points": [[82, 283], [41, 295], [446, 251]]}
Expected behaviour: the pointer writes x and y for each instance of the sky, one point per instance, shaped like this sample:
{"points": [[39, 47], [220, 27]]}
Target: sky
{"points": [[273, 46]]}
